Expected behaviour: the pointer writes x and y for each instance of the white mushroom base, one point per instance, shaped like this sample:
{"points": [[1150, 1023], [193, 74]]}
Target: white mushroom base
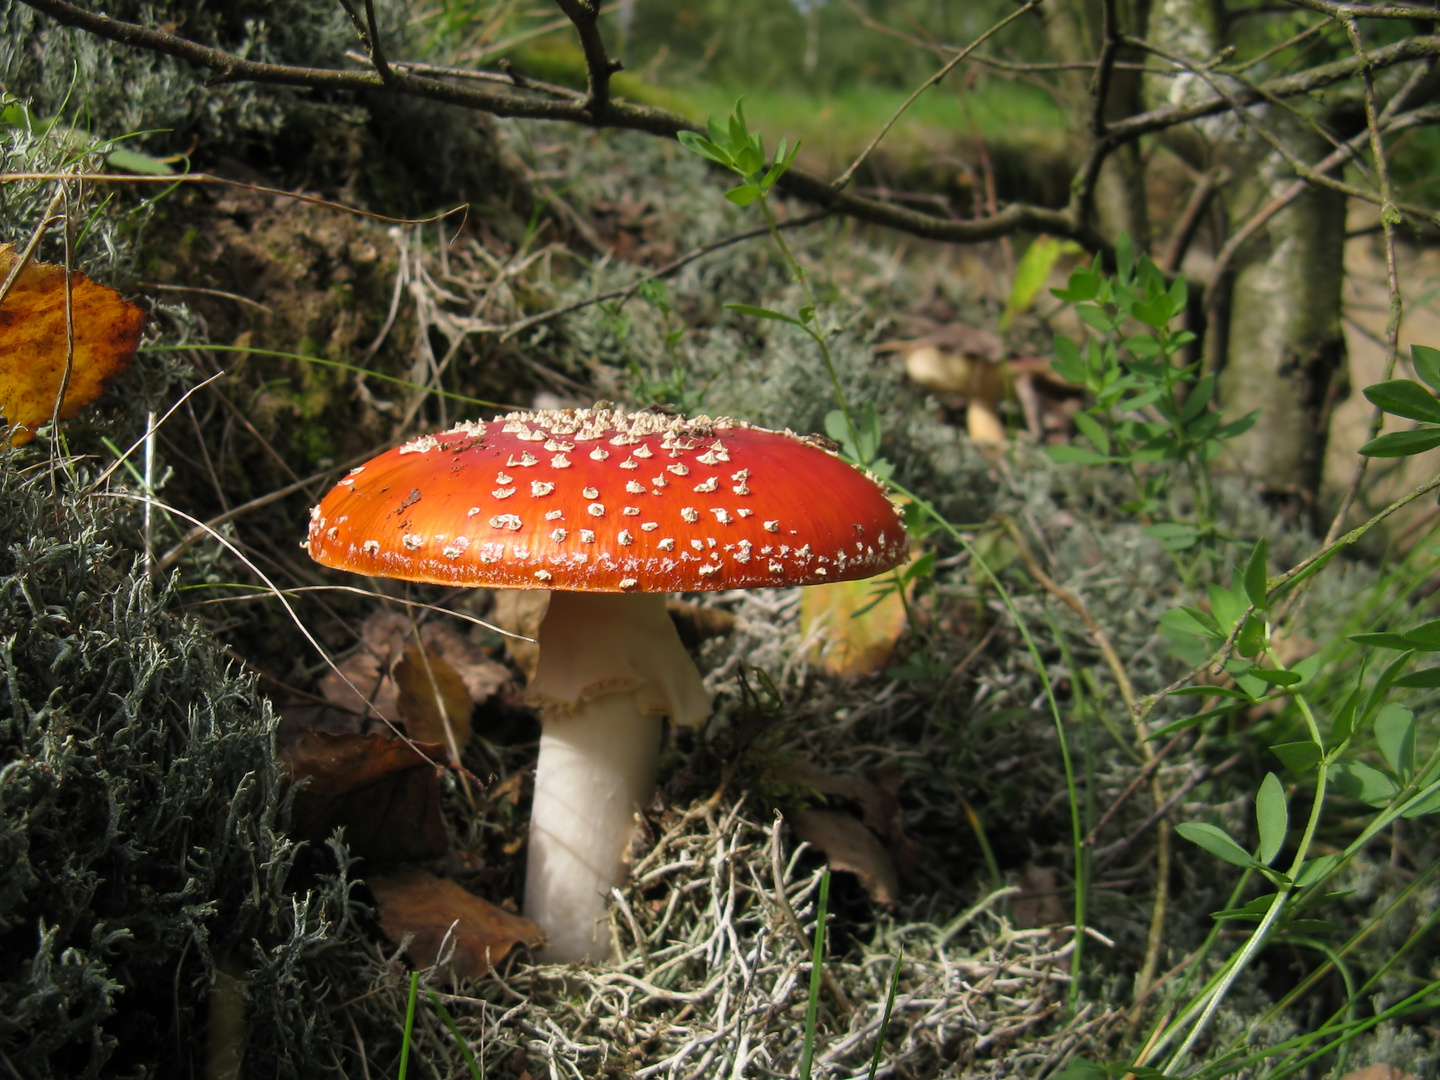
{"points": [[610, 667], [596, 772]]}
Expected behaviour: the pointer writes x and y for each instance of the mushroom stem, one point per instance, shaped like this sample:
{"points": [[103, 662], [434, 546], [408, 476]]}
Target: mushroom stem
{"points": [[596, 771], [610, 666]]}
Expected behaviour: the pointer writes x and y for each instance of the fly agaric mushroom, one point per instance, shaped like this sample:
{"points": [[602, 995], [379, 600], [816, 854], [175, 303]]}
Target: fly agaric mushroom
{"points": [[609, 510]]}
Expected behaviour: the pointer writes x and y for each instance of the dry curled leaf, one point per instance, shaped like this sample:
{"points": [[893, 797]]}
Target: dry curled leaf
{"points": [[420, 904], [34, 343], [849, 634], [521, 611], [848, 845], [384, 792], [877, 803], [385, 636], [430, 694]]}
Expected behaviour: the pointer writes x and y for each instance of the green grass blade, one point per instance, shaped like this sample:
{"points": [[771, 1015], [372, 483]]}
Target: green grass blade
{"points": [[817, 959], [409, 1024], [470, 1061], [885, 1017], [354, 369]]}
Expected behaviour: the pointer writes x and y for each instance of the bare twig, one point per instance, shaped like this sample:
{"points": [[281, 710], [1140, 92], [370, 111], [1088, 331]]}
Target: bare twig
{"points": [[1209, 183], [1110, 40], [1247, 231], [508, 331], [1106, 855], [1134, 786], [841, 181], [207, 178], [782, 901], [585, 14], [1350, 12]]}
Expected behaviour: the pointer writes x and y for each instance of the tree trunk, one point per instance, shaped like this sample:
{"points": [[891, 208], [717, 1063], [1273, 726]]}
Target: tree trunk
{"points": [[1285, 348], [1275, 339]]}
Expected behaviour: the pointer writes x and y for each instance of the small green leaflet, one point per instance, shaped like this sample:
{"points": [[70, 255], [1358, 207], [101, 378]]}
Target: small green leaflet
{"points": [[1395, 735], [1427, 364], [1255, 575], [1404, 397], [1402, 443], [1216, 841], [1272, 817]]}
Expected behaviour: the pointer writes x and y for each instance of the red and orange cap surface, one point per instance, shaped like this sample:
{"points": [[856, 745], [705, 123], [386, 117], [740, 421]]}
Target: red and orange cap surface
{"points": [[600, 500]]}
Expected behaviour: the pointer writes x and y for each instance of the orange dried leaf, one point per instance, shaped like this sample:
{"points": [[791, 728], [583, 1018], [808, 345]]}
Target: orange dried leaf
{"points": [[384, 793], [432, 692], [33, 343], [414, 902]]}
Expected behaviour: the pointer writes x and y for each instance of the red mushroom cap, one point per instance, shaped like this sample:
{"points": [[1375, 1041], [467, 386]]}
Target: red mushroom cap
{"points": [[599, 500]]}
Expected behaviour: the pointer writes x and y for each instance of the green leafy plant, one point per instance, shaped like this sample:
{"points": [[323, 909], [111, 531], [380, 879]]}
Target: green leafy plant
{"points": [[732, 145], [1413, 401], [1151, 414]]}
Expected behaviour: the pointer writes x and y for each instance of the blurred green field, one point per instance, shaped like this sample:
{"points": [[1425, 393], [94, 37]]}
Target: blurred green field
{"points": [[935, 137]]}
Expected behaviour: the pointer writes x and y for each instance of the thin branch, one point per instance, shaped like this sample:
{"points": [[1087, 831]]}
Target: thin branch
{"points": [[509, 330], [1246, 232], [49, 217], [1104, 66], [1107, 855], [1092, 626], [1134, 786], [843, 180], [368, 32], [506, 78], [1419, 47], [1347, 12], [1190, 218], [1392, 274], [208, 178], [585, 14], [204, 529]]}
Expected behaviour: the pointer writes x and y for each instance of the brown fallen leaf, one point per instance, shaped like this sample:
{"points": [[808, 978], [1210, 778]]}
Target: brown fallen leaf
{"points": [[879, 807], [520, 611], [414, 902], [697, 623], [844, 642], [385, 636], [430, 694], [848, 845], [384, 793], [478, 670], [33, 343]]}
